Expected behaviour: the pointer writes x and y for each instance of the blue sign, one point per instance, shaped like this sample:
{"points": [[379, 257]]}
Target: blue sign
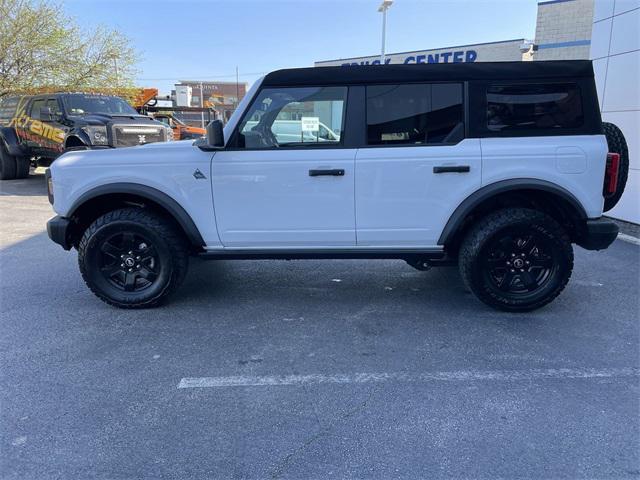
{"points": [[458, 56]]}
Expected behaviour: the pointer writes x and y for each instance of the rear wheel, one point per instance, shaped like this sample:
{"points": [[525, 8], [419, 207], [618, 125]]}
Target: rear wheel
{"points": [[617, 144], [23, 166], [133, 258], [7, 165], [516, 259]]}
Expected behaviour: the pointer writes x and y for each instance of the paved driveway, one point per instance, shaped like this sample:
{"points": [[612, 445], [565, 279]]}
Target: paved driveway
{"points": [[310, 369]]}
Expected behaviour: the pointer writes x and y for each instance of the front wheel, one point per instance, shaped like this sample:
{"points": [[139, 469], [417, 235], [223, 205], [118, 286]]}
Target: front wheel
{"points": [[133, 258], [23, 167], [516, 259]]}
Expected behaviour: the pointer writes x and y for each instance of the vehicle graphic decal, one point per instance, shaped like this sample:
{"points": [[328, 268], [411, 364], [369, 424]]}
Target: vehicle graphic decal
{"points": [[36, 131]]}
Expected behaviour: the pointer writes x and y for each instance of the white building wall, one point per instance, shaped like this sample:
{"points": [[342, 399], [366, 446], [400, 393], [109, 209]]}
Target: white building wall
{"points": [[615, 50], [563, 29]]}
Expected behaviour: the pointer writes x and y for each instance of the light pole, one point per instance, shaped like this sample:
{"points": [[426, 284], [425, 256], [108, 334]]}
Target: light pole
{"points": [[384, 6], [201, 105]]}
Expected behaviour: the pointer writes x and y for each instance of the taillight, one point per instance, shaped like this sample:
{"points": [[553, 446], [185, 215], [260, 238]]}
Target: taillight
{"points": [[611, 174]]}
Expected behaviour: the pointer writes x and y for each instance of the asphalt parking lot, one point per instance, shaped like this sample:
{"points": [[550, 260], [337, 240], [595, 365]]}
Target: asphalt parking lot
{"points": [[311, 369]]}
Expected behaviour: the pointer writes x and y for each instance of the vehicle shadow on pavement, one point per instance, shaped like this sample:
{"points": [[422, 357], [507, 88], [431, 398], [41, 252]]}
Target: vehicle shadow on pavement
{"points": [[33, 185], [330, 286], [305, 287]]}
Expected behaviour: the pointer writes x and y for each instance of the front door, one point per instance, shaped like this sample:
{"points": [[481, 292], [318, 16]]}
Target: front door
{"points": [[281, 182], [46, 133]]}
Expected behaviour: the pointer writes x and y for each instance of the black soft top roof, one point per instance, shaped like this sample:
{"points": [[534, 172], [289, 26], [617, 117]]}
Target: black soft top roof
{"points": [[367, 74]]}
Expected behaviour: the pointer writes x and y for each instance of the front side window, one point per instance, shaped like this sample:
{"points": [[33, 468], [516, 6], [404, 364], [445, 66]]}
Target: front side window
{"points": [[294, 117], [533, 107], [415, 114], [52, 103]]}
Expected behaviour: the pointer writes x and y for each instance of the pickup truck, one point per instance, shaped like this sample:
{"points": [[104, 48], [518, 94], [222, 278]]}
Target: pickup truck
{"points": [[38, 129]]}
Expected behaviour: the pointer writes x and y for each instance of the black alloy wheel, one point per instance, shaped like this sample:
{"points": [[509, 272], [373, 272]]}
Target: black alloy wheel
{"points": [[129, 261], [518, 263]]}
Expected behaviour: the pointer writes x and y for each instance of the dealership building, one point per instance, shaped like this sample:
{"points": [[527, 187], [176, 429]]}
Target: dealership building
{"points": [[503, 51], [603, 30]]}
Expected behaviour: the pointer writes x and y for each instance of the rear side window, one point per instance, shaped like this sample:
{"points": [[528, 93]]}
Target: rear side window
{"points": [[8, 106], [35, 108], [534, 107], [415, 114]]}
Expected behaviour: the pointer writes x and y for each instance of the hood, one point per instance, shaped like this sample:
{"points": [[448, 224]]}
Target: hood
{"points": [[139, 155]]}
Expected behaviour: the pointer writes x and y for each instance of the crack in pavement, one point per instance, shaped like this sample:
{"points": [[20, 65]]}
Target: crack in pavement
{"points": [[286, 461]]}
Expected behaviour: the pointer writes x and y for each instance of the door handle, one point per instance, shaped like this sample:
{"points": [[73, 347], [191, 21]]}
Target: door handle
{"points": [[336, 172], [452, 169]]}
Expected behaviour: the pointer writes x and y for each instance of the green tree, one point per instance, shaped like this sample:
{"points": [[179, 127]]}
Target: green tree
{"points": [[41, 46]]}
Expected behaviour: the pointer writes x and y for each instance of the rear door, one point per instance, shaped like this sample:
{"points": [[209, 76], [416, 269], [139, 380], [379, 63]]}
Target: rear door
{"points": [[417, 165], [295, 191]]}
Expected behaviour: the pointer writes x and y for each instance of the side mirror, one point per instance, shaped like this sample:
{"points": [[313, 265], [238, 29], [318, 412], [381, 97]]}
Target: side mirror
{"points": [[46, 115], [215, 134]]}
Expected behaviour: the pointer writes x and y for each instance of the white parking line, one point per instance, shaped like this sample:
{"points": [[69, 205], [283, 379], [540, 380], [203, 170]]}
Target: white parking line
{"points": [[462, 375], [628, 238]]}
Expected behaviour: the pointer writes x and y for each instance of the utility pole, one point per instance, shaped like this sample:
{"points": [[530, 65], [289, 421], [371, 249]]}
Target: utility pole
{"points": [[237, 88], [202, 104], [384, 6]]}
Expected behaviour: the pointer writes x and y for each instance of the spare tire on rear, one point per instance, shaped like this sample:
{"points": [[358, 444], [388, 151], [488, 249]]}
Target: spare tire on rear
{"points": [[617, 144]]}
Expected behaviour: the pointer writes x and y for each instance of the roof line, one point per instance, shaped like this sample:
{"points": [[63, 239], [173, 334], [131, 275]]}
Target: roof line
{"points": [[427, 50], [229, 82]]}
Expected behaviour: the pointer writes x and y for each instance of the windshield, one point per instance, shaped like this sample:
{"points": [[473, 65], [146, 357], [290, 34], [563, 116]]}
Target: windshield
{"points": [[80, 104]]}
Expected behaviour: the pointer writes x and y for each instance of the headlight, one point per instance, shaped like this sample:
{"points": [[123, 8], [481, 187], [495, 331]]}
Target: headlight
{"points": [[97, 135]]}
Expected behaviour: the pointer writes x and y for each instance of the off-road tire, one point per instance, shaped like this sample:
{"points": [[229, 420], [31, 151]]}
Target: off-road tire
{"points": [[617, 144], [23, 167], [7, 165], [165, 237], [476, 250]]}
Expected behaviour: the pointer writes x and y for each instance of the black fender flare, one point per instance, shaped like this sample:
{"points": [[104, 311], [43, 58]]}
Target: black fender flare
{"points": [[476, 198], [10, 141], [179, 214]]}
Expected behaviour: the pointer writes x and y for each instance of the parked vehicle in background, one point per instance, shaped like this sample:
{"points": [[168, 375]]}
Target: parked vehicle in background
{"points": [[290, 131], [40, 128], [496, 167], [181, 131]]}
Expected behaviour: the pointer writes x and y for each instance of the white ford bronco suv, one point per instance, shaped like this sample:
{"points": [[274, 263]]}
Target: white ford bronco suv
{"points": [[496, 167]]}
